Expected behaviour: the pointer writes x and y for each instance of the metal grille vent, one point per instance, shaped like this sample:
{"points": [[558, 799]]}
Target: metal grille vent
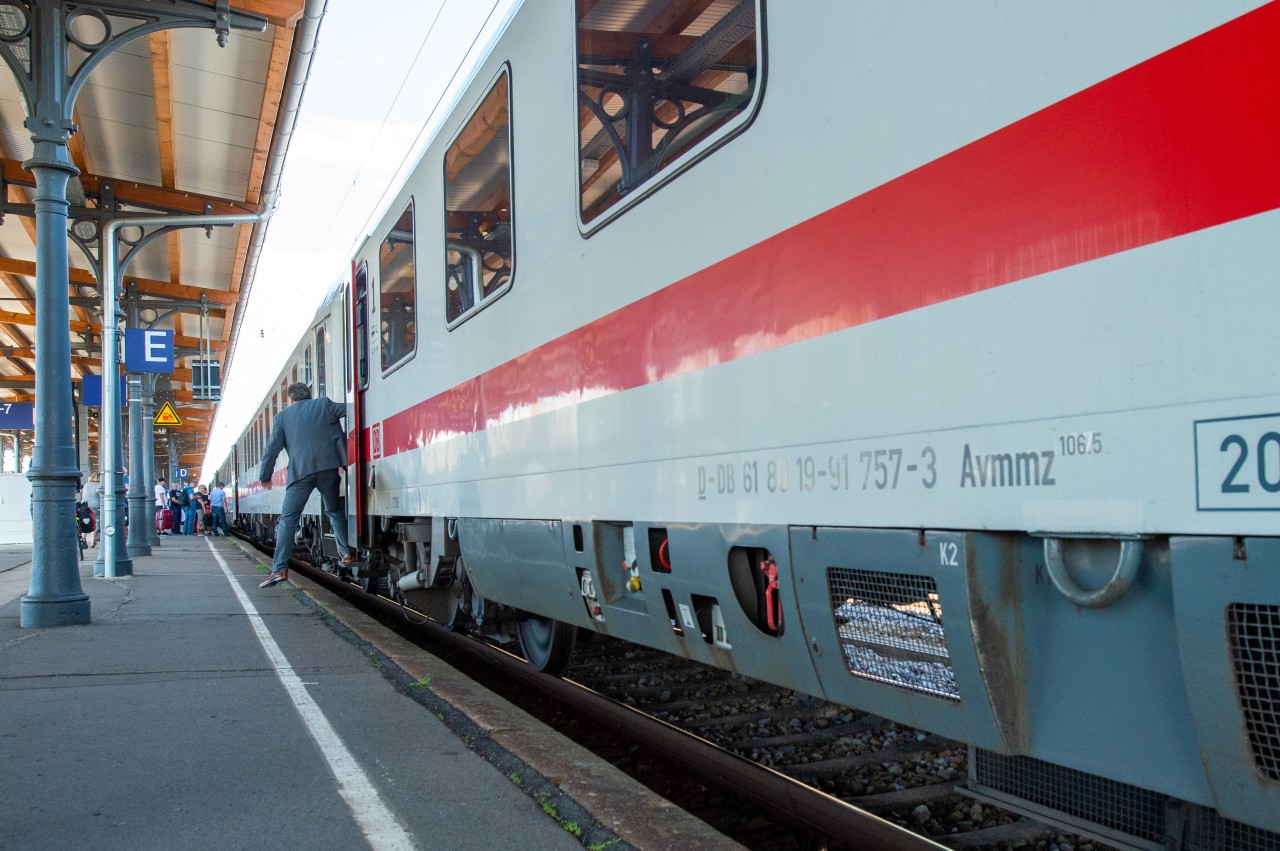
{"points": [[890, 628], [1211, 832], [1254, 634], [1086, 797]]}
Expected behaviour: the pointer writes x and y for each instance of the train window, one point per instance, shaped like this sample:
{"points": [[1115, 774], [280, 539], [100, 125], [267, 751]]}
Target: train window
{"points": [[362, 326], [306, 366], [396, 292], [321, 390], [659, 85], [477, 197]]}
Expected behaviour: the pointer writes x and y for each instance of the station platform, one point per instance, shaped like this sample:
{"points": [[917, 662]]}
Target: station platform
{"points": [[197, 710]]}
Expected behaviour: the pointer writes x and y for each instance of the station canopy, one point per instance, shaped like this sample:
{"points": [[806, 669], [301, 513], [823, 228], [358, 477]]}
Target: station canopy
{"points": [[169, 122]]}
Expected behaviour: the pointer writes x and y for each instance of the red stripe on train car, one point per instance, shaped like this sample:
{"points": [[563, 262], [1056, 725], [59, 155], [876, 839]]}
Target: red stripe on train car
{"points": [[1181, 142]]}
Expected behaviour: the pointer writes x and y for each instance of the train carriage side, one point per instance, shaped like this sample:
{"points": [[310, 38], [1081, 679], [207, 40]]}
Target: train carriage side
{"points": [[911, 375]]}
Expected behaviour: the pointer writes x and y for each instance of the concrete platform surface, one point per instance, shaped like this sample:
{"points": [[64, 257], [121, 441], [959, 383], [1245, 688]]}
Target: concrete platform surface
{"points": [[197, 710]]}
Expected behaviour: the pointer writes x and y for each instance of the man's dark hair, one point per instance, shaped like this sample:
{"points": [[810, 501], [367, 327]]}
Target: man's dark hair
{"points": [[219, 484], [299, 391]]}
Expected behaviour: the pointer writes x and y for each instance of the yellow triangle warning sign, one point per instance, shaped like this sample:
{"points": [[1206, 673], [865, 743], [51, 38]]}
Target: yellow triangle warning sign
{"points": [[167, 416]]}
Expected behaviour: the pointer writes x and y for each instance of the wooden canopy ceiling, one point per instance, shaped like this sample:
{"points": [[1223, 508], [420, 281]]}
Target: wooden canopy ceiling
{"points": [[168, 122]]}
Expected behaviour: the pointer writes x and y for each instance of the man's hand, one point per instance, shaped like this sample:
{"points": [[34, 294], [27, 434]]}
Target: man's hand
{"points": [[266, 484]]}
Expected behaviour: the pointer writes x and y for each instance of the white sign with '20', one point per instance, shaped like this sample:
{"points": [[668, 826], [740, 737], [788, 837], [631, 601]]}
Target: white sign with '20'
{"points": [[1238, 463]]}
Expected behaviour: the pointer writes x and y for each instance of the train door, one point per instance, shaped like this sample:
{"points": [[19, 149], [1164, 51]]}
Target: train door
{"points": [[358, 371], [234, 482]]}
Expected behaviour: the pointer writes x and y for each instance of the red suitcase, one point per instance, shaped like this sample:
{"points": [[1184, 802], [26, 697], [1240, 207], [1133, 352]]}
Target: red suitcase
{"points": [[164, 519]]}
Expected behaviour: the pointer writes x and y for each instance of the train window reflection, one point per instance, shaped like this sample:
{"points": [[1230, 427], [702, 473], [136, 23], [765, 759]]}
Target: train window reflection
{"points": [[658, 84], [362, 326], [396, 292], [321, 390], [477, 197]]}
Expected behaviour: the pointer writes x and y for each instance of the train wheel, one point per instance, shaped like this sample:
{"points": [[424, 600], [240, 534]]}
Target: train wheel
{"points": [[546, 644], [468, 610]]}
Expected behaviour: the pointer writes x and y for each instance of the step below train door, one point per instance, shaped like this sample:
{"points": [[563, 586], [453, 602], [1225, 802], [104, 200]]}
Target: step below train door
{"points": [[358, 438]]}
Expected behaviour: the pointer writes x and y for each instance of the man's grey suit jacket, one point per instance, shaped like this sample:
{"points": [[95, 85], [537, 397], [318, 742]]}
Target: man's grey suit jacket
{"points": [[311, 432]]}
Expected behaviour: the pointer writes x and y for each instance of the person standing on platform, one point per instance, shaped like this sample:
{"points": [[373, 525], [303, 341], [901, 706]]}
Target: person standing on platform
{"points": [[86, 523], [311, 431], [91, 494], [162, 502], [218, 498], [204, 510], [189, 508], [175, 504]]}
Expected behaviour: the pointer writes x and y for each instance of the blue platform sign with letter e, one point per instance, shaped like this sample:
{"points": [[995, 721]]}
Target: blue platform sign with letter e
{"points": [[16, 416], [148, 350]]}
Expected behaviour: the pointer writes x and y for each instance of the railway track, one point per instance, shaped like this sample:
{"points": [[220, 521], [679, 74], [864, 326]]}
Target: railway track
{"points": [[821, 775]]}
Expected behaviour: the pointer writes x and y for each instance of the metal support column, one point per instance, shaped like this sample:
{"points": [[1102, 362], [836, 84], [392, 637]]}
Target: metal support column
{"points": [[113, 560], [139, 487], [82, 444], [172, 448], [139, 543], [149, 451], [113, 272], [56, 597], [36, 45]]}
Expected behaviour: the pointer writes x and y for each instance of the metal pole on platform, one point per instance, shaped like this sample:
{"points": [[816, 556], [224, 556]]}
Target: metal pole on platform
{"points": [[113, 274], [112, 561], [171, 449], [139, 543], [82, 444], [149, 449], [56, 597]]}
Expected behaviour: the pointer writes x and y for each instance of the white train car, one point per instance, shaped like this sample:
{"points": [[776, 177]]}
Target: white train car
{"points": [[919, 356]]}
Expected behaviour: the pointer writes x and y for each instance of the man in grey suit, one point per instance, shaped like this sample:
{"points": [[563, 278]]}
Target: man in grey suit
{"points": [[310, 430]]}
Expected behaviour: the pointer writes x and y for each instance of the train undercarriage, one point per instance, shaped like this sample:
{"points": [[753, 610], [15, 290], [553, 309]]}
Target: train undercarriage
{"points": [[870, 633]]}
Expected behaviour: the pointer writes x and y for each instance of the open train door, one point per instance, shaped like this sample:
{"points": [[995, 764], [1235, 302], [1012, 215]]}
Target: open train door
{"points": [[357, 436]]}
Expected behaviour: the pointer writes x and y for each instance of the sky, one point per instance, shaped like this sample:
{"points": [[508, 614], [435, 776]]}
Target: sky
{"points": [[384, 75]]}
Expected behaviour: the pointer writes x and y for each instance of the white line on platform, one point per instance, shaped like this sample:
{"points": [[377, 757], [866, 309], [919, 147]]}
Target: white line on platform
{"points": [[380, 826]]}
